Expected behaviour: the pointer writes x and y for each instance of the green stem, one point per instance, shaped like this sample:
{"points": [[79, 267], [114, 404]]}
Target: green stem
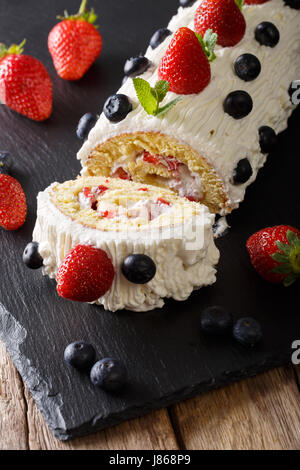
{"points": [[82, 7]]}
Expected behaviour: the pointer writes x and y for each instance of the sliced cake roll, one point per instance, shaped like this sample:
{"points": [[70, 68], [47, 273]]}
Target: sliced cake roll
{"points": [[126, 220], [210, 146]]}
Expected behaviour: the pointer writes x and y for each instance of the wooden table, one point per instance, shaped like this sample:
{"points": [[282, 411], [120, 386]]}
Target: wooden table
{"points": [[262, 412]]}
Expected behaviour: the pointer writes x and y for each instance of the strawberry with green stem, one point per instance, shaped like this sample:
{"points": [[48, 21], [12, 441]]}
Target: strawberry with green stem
{"points": [[75, 43], [275, 253], [25, 85]]}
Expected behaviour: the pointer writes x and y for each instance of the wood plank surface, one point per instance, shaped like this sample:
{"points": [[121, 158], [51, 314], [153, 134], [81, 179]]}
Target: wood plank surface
{"points": [[13, 423], [262, 412]]}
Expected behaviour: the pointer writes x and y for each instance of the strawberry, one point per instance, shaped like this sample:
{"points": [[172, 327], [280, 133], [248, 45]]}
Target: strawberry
{"points": [[185, 65], [75, 43], [85, 274], [275, 253], [25, 85], [121, 173], [13, 207], [224, 17]]}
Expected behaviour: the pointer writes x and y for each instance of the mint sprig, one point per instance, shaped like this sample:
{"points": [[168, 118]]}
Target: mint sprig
{"points": [[208, 43], [150, 98]]}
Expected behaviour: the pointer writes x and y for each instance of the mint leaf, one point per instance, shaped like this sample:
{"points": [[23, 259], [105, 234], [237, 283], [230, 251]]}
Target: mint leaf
{"points": [[208, 43], [151, 97], [145, 95], [161, 88], [162, 111]]}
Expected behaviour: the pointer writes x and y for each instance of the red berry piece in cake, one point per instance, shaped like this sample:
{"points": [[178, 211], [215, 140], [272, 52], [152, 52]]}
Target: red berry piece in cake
{"points": [[138, 268], [75, 43], [275, 253], [85, 274], [238, 104], [80, 355], [25, 85], [109, 374], [185, 65], [247, 331], [224, 17], [267, 139], [13, 207], [247, 67], [267, 34], [31, 256], [116, 107], [121, 173], [85, 124], [136, 66], [159, 36]]}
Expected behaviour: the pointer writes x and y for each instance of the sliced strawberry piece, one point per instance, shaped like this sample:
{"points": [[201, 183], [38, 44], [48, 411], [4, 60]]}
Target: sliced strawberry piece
{"points": [[160, 200], [121, 173], [101, 189], [153, 159], [87, 192], [143, 189], [13, 207], [107, 214]]}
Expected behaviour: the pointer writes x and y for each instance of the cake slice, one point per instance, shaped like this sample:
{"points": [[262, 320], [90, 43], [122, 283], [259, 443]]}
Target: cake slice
{"points": [[124, 218], [202, 148]]}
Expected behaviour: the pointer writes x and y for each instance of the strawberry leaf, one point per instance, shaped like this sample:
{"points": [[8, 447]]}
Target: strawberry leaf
{"points": [[151, 97], [280, 258], [292, 238], [290, 279], [282, 269], [208, 43], [286, 249], [240, 3]]}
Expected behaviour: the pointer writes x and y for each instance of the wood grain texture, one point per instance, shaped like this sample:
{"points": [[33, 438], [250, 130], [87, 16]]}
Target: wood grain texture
{"points": [[258, 413], [13, 424], [151, 432]]}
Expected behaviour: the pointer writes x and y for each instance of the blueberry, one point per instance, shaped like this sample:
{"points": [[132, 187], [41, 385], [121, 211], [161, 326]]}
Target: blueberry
{"points": [[159, 36], [242, 172], [247, 331], [117, 107], [138, 269], [80, 355], [186, 3], [238, 104], [109, 374], [136, 66], [293, 4], [85, 124], [31, 256], [247, 67], [267, 34], [216, 320], [267, 139], [5, 162]]}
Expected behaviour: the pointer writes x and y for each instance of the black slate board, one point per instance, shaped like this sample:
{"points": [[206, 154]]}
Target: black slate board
{"points": [[167, 357]]}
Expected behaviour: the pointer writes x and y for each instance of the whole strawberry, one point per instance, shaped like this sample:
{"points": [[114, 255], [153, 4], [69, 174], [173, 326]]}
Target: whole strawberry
{"points": [[185, 64], [25, 85], [275, 253], [224, 17], [75, 43], [85, 274], [13, 207]]}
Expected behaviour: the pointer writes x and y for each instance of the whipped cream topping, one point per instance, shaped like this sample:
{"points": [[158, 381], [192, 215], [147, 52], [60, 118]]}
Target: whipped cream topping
{"points": [[185, 254], [199, 120]]}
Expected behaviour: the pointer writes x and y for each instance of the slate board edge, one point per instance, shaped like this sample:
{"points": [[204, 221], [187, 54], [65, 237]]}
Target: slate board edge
{"points": [[13, 335]]}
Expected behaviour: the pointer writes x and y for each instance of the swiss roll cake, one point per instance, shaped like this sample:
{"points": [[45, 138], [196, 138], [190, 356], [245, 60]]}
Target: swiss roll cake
{"points": [[124, 218], [210, 146]]}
